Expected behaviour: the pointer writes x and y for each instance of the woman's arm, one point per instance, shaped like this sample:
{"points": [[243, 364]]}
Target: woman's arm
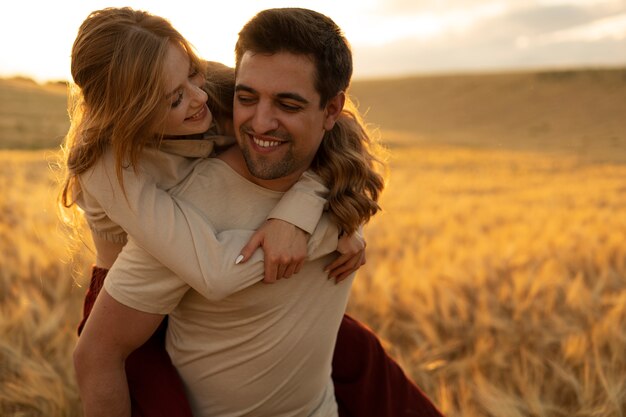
{"points": [[158, 222], [281, 241], [142, 273], [106, 251]]}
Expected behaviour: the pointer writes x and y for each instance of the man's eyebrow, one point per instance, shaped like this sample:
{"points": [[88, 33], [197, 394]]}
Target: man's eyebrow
{"points": [[293, 96], [243, 87], [290, 96]]}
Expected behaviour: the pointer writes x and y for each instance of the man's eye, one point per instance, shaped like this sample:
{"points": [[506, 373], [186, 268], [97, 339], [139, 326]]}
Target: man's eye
{"points": [[290, 107], [245, 99]]}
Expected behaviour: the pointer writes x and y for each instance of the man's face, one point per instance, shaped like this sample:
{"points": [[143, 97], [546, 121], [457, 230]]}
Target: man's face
{"points": [[277, 117]]}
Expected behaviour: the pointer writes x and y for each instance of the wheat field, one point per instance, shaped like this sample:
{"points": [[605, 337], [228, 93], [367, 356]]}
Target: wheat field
{"points": [[496, 275], [499, 281]]}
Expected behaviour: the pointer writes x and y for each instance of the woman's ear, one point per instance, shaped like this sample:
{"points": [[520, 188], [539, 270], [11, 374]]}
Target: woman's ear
{"points": [[333, 110]]}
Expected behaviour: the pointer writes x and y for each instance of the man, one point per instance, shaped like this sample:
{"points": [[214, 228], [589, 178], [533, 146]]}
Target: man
{"points": [[265, 350]]}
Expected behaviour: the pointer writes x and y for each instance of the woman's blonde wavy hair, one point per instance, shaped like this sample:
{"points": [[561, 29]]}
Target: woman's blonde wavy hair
{"points": [[118, 96], [352, 164]]}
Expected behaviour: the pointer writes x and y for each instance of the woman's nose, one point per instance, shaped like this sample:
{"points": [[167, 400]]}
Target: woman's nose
{"points": [[199, 94]]}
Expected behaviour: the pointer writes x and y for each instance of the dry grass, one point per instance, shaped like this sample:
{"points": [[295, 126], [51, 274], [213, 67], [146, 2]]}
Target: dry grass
{"points": [[32, 116], [499, 280], [496, 274], [39, 301]]}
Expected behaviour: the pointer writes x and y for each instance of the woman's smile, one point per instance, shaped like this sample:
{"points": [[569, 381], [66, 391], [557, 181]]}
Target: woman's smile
{"points": [[199, 115]]}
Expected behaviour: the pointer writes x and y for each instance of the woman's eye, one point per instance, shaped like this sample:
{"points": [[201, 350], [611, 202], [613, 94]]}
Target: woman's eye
{"points": [[195, 73], [179, 99]]}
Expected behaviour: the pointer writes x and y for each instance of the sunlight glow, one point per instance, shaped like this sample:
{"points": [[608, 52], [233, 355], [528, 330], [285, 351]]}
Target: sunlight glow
{"points": [[213, 31], [388, 36]]}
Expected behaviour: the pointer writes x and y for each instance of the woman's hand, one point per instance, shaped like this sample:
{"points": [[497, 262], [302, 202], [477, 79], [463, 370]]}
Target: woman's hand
{"points": [[352, 256], [284, 245]]}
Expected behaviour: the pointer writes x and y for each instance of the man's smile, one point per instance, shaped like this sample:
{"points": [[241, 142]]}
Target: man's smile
{"points": [[265, 142]]}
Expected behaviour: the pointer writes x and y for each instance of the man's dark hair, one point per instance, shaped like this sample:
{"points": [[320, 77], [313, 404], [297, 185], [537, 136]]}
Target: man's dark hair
{"points": [[302, 32]]}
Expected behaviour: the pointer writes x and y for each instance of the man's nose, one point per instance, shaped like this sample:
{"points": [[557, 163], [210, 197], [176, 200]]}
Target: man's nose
{"points": [[264, 119]]}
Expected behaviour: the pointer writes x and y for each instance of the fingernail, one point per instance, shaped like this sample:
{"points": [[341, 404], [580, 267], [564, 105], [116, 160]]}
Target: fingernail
{"points": [[239, 259]]}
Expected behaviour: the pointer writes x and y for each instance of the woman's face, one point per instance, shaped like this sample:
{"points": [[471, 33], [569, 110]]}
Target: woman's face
{"points": [[188, 112]]}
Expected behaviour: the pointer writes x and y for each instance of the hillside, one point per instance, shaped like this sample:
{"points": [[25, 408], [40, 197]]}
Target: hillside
{"points": [[580, 110], [32, 116]]}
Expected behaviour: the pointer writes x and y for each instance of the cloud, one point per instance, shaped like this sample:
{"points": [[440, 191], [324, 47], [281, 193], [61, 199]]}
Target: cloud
{"points": [[524, 37], [533, 20], [613, 27], [394, 7], [419, 22], [475, 35], [479, 20]]}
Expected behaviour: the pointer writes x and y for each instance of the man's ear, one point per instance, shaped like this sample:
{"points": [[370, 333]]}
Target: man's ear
{"points": [[333, 110]]}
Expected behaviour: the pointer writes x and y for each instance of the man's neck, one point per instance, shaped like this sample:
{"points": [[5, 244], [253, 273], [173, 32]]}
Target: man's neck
{"points": [[234, 158]]}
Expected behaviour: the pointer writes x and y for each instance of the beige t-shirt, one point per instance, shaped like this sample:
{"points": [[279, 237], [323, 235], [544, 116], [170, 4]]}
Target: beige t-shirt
{"points": [[177, 234], [263, 351]]}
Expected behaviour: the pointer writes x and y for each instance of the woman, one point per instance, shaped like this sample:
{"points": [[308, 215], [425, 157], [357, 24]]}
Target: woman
{"points": [[120, 63]]}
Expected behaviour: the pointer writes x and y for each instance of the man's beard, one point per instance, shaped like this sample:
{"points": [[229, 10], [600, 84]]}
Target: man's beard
{"points": [[267, 167], [263, 167]]}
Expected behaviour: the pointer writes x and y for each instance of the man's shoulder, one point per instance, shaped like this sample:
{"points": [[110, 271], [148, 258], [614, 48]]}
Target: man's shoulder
{"points": [[205, 173], [233, 157], [215, 177]]}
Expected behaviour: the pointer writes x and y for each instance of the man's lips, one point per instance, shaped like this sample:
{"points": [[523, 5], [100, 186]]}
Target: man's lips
{"points": [[265, 142]]}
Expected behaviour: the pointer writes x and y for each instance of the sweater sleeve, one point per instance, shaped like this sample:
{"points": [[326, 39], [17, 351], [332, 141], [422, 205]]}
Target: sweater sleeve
{"points": [[303, 204], [140, 281], [180, 237]]}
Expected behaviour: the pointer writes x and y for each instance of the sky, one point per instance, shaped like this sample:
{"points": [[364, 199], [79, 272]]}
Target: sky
{"points": [[389, 38]]}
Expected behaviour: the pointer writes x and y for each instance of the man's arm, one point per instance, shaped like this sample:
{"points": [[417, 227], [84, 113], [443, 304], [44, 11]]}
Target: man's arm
{"points": [[112, 332]]}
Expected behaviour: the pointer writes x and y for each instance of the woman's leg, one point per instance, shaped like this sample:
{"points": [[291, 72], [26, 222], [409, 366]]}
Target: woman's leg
{"points": [[95, 285], [153, 382], [368, 382]]}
